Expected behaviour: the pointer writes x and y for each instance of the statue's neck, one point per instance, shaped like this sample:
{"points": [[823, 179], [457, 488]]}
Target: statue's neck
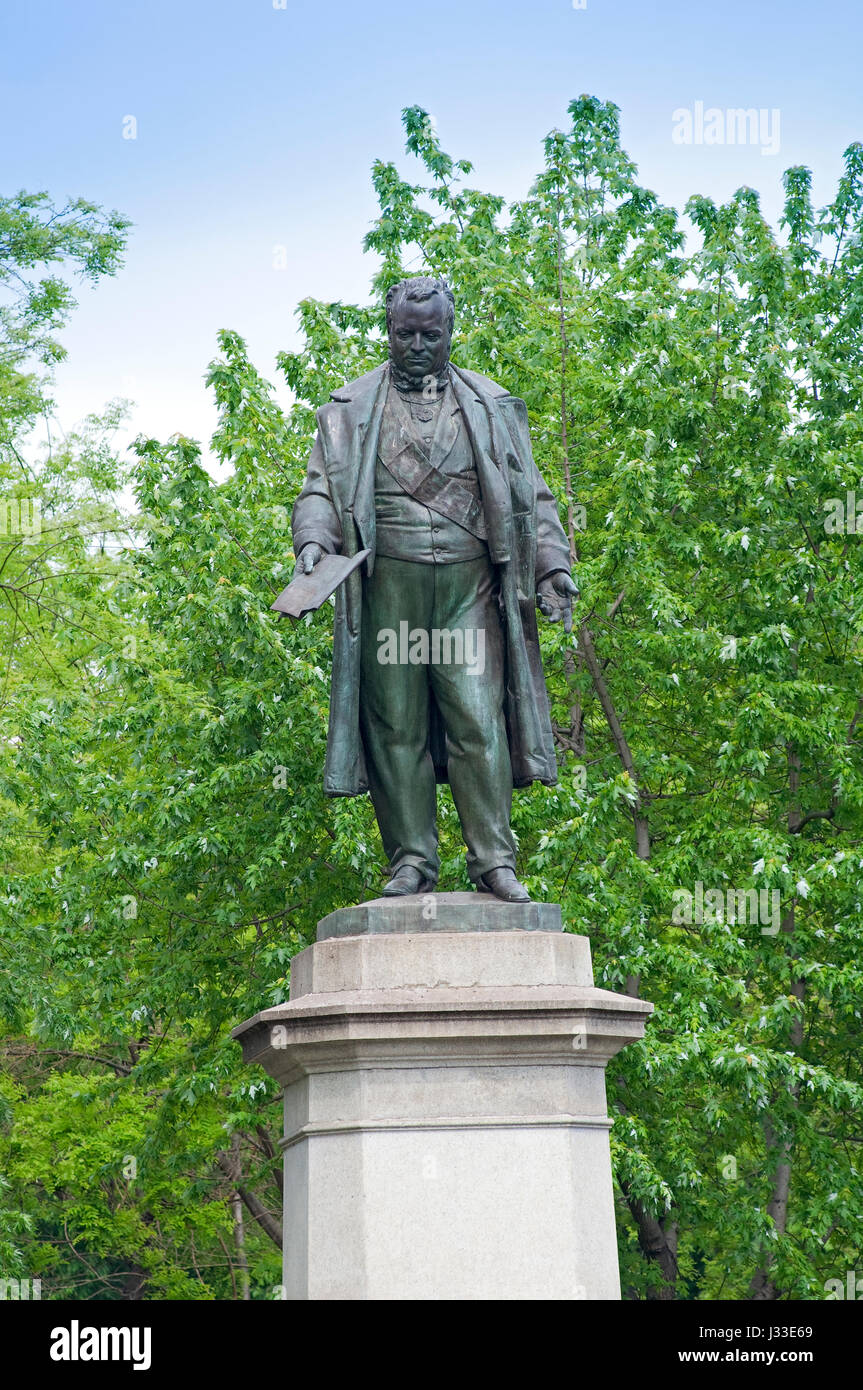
{"points": [[418, 386]]}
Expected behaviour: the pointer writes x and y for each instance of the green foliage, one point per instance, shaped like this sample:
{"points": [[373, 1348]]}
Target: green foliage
{"points": [[35, 235], [169, 847]]}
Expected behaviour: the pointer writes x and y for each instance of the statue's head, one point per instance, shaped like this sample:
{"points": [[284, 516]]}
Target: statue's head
{"points": [[420, 317]]}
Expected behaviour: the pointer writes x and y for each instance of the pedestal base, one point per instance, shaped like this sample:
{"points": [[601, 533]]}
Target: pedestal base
{"points": [[446, 1134]]}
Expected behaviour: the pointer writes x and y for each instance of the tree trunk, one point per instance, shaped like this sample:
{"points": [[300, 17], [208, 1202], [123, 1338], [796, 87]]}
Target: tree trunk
{"points": [[658, 1243], [253, 1206], [762, 1287], [239, 1228]]}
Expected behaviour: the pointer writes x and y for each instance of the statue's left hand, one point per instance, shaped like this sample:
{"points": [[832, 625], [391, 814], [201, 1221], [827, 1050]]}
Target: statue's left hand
{"points": [[554, 596]]}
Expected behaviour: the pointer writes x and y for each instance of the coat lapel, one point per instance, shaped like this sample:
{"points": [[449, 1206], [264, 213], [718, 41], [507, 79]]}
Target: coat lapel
{"points": [[367, 422], [396, 431], [446, 431], [478, 417]]}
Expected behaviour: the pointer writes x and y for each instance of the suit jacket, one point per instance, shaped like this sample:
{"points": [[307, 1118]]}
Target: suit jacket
{"points": [[336, 510]]}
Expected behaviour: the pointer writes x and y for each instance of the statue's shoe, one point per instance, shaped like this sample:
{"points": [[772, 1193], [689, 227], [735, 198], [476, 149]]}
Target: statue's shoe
{"points": [[504, 884], [405, 881]]}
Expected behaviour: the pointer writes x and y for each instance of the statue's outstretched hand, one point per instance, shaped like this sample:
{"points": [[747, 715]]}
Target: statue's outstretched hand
{"points": [[554, 596], [308, 558]]}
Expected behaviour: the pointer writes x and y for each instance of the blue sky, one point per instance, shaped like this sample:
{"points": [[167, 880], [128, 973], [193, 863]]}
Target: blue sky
{"points": [[257, 127]]}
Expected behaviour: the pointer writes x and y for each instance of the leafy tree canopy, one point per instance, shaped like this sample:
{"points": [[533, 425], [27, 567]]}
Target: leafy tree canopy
{"points": [[695, 403]]}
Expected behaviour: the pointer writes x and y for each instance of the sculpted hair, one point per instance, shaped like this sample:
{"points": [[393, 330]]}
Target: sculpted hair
{"points": [[420, 287]]}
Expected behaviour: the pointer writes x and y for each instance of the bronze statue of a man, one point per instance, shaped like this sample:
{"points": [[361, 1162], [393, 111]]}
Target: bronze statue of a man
{"points": [[436, 665]]}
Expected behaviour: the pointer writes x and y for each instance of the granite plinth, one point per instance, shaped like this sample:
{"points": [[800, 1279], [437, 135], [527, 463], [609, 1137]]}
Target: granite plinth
{"points": [[446, 1130]]}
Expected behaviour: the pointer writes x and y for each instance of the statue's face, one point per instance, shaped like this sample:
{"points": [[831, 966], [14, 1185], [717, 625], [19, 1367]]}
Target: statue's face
{"points": [[420, 338]]}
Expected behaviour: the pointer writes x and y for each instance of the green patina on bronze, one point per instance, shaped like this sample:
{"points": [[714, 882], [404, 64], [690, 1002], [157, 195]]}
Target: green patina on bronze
{"points": [[429, 467]]}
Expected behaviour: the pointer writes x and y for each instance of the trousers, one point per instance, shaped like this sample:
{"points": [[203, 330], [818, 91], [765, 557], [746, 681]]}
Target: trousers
{"points": [[414, 617]]}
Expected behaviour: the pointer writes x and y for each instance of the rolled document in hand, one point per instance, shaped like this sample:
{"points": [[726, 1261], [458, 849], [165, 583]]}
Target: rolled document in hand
{"points": [[306, 592]]}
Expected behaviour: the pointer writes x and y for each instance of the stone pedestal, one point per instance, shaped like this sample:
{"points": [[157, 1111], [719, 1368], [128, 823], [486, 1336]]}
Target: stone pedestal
{"points": [[446, 1134]]}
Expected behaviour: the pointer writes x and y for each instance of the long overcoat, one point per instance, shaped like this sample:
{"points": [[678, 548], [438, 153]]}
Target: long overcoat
{"points": [[336, 509]]}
